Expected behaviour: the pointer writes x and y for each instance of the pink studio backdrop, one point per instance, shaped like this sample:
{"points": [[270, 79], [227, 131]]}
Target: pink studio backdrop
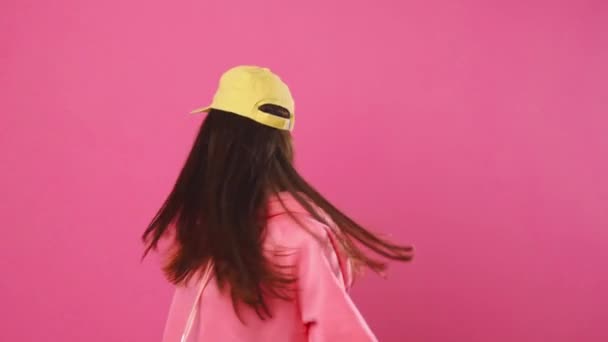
{"points": [[476, 130]]}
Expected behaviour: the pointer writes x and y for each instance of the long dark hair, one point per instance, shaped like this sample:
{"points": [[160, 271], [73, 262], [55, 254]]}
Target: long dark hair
{"points": [[218, 204]]}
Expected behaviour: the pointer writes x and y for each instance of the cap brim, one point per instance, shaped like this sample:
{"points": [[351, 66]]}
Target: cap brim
{"points": [[201, 110]]}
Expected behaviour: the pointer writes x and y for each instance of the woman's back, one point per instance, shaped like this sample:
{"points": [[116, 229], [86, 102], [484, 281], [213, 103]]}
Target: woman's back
{"points": [[321, 311]]}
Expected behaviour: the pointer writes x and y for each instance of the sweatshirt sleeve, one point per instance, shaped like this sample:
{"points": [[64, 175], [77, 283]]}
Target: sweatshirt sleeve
{"points": [[326, 308]]}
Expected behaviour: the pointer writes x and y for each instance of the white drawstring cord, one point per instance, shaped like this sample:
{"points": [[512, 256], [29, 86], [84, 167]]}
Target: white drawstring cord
{"points": [[195, 305]]}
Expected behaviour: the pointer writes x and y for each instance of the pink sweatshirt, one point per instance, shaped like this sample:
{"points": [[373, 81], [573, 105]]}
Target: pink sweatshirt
{"points": [[321, 312]]}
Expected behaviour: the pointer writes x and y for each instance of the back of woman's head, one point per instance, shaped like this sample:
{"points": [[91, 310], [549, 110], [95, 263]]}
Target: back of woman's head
{"points": [[218, 210]]}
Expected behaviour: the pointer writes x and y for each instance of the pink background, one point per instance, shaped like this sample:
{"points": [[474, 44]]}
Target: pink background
{"points": [[476, 130]]}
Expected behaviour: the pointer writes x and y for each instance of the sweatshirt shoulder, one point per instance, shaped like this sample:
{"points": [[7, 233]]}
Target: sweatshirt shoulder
{"points": [[292, 232]]}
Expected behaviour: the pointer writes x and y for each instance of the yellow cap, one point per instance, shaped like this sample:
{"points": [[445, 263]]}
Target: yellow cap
{"points": [[243, 89]]}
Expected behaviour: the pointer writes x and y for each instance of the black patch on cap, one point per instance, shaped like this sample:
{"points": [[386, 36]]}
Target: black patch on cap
{"points": [[275, 110]]}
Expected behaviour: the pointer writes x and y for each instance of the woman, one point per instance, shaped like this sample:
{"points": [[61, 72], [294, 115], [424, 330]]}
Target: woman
{"points": [[258, 254]]}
